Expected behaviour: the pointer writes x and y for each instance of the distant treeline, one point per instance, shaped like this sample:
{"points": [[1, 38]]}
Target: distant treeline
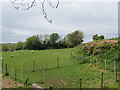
{"points": [[52, 41]]}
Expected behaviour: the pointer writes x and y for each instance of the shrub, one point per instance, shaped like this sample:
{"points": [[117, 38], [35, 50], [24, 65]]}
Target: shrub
{"points": [[101, 51], [82, 59]]}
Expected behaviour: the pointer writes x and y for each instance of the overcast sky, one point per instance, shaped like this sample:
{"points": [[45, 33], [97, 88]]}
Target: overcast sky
{"points": [[90, 17]]}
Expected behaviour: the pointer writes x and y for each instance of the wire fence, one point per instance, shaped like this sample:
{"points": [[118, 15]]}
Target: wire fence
{"points": [[101, 78]]}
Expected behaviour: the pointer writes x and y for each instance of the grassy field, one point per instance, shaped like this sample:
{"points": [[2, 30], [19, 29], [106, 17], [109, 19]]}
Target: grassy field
{"points": [[68, 74]]}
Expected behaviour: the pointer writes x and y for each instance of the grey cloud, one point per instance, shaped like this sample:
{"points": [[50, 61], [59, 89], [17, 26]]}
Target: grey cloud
{"points": [[91, 18]]}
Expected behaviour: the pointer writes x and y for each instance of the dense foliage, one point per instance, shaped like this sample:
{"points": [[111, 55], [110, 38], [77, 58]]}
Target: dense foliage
{"points": [[52, 41], [98, 52], [75, 38], [96, 37]]}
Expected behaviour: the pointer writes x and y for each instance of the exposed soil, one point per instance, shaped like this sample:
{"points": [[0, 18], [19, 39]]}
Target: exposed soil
{"points": [[9, 83], [105, 41]]}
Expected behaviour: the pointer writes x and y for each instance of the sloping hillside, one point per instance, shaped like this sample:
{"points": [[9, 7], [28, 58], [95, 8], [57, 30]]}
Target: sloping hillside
{"points": [[55, 68], [99, 53]]}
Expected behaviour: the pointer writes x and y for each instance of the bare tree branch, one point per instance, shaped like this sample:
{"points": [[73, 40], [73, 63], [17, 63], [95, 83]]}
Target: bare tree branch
{"points": [[44, 12], [13, 3], [30, 4], [56, 6]]}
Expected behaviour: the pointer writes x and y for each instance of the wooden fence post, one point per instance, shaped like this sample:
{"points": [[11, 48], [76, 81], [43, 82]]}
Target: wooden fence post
{"points": [[105, 65], [15, 78], [12, 73], [57, 62], [96, 62], [26, 82], [114, 66], [102, 80], [116, 74], [71, 54], [46, 66], [33, 66], [2, 68], [6, 70], [50, 87], [80, 84], [91, 63], [21, 74]]}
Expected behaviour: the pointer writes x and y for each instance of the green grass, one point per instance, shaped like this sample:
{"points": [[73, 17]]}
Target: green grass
{"points": [[100, 53], [68, 74]]}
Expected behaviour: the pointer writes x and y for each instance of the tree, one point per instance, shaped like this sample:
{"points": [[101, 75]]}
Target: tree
{"points": [[28, 4], [4, 47], [33, 42], [75, 38], [53, 38], [41, 38], [96, 37], [46, 38], [19, 45], [102, 37]]}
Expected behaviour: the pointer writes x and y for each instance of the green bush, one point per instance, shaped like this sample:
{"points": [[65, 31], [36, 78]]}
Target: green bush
{"points": [[102, 52], [81, 59]]}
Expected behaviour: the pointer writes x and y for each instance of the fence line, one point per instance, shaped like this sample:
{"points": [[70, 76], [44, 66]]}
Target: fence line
{"points": [[20, 75]]}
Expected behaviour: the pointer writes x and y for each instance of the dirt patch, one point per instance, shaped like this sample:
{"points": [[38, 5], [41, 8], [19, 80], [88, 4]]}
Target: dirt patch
{"points": [[9, 83], [105, 41]]}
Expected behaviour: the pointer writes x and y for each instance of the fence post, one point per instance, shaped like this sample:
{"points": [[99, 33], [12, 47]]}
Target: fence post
{"points": [[57, 62], [50, 87], [105, 65], [2, 68], [102, 80], [12, 73], [96, 62], [71, 54], [33, 66], [114, 66], [116, 74], [6, 70], [46, 66], [15, 74], [91, 63], [21, 74], [26, 82], [80, 84]]}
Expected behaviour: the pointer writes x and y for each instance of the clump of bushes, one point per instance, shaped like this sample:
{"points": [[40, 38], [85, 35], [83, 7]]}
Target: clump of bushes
{"points": [[100, 50], [81, 59]]}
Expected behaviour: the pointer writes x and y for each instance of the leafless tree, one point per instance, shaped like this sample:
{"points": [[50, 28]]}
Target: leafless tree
{"points": [[28, 4]]}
